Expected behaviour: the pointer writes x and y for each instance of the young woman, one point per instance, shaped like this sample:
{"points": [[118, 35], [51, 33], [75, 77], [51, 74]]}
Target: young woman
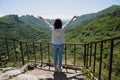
{"points": [[57, 40]]}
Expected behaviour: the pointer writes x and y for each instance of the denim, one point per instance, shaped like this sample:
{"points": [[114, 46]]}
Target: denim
{"points": [[57, 52]]}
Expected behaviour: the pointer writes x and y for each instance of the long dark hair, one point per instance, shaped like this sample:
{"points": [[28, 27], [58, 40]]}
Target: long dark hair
{"points": [[57, 24]]}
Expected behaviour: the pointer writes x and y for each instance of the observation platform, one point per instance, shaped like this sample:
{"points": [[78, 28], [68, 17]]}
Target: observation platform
{"points": [[39, 72], [87, 57]]}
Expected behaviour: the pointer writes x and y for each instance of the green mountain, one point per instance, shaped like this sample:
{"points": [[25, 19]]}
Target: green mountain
{"points": [[88, 27], [25, 28], [95, 26]]}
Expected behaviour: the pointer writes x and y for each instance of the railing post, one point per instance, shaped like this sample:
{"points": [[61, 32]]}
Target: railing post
{"points": [[0, 57], [0, 60], [34, 51], [74, 55], [100, 66], [110, 59], [41, 53], [7, 49], [90, 54], [85, 55], [27, 51], [49, 55], [21, 48], [15, 49], [65, 55], [94, 60]]}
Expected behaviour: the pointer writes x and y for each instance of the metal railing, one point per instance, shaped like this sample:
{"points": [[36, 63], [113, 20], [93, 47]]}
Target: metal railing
{"points": [[88, 55], [24, 51], [93, 58]]}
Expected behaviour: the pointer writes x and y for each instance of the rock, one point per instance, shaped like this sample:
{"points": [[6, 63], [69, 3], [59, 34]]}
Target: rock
{"points": [[4, 77], [14, 72], [26, 77], [7, 69], [9, 74], [28, 67]]}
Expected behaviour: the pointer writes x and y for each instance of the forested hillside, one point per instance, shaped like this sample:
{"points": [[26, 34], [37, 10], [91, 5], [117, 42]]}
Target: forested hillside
{"points": [[24, 28], [86, 28], [95, 26]]}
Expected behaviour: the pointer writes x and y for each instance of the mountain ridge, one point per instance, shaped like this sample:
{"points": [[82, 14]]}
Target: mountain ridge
{"points": [[25, 26], [95, 26]]}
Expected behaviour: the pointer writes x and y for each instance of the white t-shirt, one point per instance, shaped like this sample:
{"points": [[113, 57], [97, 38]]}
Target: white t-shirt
{"points": [[57, 34]]}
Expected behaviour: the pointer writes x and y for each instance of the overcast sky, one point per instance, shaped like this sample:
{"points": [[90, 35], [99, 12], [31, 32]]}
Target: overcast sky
{"points": [[54, 8]]}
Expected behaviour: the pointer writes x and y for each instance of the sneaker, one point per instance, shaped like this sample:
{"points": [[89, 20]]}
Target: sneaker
{"points": [[56, 69], [60, 69]]}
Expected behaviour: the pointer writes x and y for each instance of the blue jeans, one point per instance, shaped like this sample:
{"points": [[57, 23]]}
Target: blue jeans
{"points": [[57, 51]]}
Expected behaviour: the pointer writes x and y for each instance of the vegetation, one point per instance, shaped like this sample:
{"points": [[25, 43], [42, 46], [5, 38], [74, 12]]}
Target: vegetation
{"points": [[23, 28], [97, 26]]}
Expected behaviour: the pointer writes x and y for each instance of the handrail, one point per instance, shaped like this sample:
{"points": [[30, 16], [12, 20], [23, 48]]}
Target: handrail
{"points": [[65, 42], [39, 41], [114, 38]]}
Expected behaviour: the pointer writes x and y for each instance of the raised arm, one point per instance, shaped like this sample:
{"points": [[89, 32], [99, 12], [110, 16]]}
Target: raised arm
{"points": [[44, 21], [68, 23]]}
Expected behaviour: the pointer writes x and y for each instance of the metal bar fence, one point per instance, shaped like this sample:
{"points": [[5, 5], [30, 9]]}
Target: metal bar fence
{"points": [[90, 55], [102, 49], [25, 51]]}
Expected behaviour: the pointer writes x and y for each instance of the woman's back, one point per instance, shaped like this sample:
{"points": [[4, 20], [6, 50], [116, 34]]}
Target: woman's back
{"points": [[58, 36]]}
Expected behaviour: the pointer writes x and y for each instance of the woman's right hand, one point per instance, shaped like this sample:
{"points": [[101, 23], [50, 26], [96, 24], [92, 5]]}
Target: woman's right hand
{"points": [[40, 17], [75, 17]]}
